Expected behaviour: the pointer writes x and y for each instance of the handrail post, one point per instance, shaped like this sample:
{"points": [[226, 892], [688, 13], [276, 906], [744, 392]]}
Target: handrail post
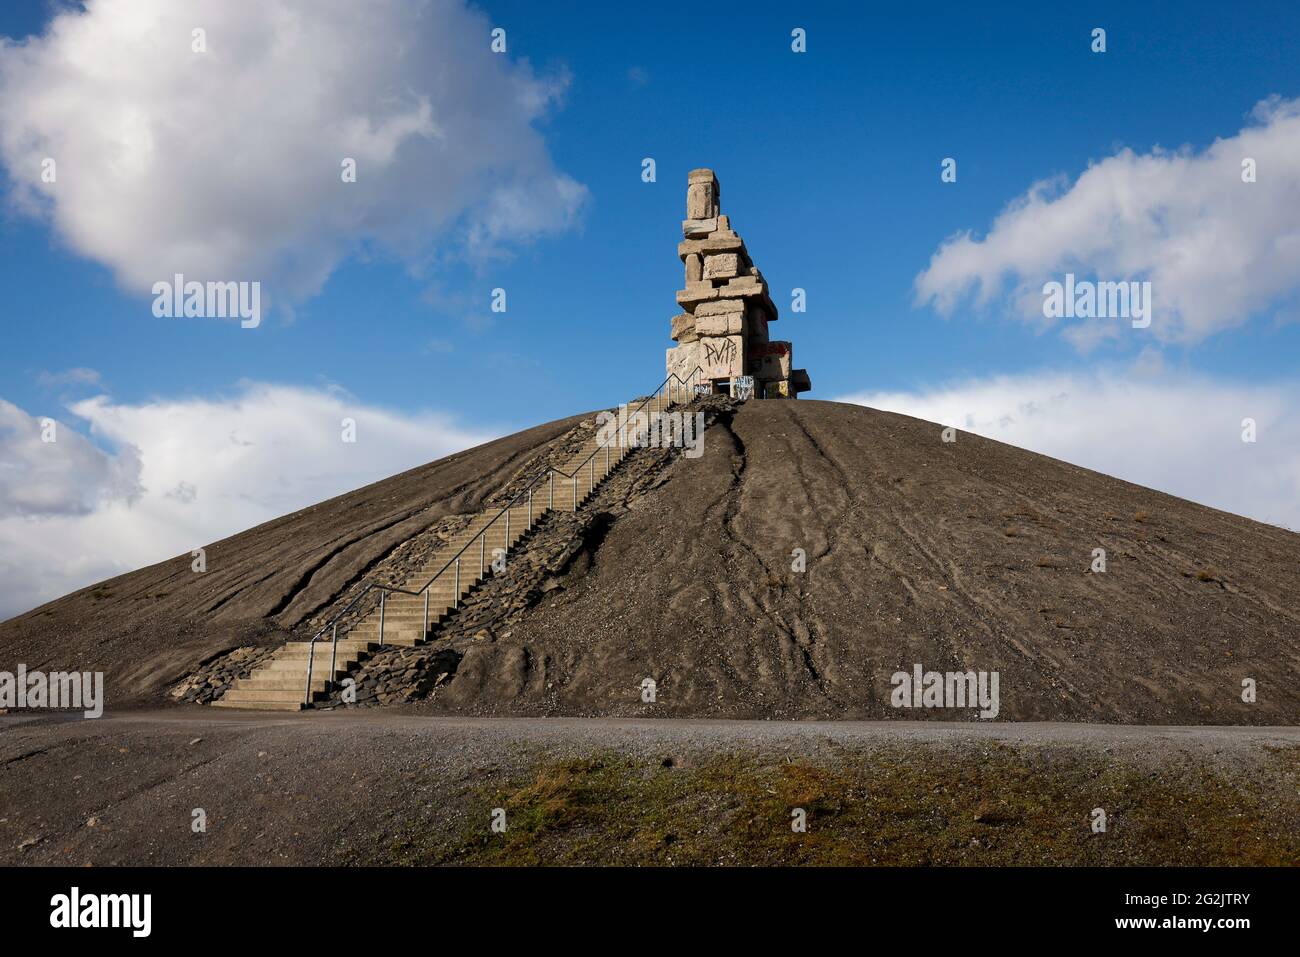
{"points": [[591, 473], [382, 596], [550, 502], [606, 458], [455, 596], [507, 549], [530, 510], [482, 549], [334, 655], [574, 480], [425, 630], [311, 650]]}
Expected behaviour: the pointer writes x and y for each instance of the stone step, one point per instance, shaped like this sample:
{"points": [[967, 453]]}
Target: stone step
{"points": [[368, 629], [284, 705], [245, 695], [439, 595], [396, 634], [518, 522], [402, 617], [405, 621], [405, 636], [438, 591], [300, 649], [297, 667], [445, 583], [285, 681], [405, 618]]}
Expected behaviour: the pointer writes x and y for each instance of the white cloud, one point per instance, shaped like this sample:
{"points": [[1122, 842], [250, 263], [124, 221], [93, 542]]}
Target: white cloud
{"points": [[226, 165], [200, 470], [79, 377], [1215, 249], [1178, 436], [48, 469]]}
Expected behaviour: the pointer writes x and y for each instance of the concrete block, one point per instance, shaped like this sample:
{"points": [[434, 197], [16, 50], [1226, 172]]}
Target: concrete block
{"points": [[717, 307], [696, 292], [722, 266], [800, 381], [720, 324], [744, 286], [698, 228], [769, 360], [701, 203], [710, 246], [682, 359], [694, 268], [722, 357], [684, 328]]}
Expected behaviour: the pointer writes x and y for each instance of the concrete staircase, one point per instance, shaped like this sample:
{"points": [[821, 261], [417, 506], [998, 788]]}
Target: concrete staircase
{"points": [[280, 684]]}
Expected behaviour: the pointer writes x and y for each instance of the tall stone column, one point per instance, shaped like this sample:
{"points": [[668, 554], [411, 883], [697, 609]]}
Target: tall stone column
{"points": [[722, 329]]}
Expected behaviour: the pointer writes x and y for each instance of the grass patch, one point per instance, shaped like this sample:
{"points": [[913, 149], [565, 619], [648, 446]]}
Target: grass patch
{"points": [[902, 805]]}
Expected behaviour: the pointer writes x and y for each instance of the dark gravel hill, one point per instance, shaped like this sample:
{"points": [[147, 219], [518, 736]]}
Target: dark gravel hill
{"points": [[964, 555], [969, 555]]}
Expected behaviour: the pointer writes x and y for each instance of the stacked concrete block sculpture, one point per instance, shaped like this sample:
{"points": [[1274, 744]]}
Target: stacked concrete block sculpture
{"points": [[726, 306]]}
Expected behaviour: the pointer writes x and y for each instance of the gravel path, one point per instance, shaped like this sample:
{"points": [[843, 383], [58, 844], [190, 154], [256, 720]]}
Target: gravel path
{"points": [[333, 787]]}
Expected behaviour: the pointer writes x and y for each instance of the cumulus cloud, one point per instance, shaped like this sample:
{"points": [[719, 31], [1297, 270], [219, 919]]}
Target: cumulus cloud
{"points": [[1180, 436], [48, 469], [1215, 249], [227, 164], [177, 474]]}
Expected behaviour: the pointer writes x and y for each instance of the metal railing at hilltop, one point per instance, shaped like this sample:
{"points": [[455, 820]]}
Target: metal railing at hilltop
{"points": [[672, 387]]}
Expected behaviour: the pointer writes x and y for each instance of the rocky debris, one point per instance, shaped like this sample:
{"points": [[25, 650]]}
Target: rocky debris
{"points": [[558, 551], [723, 330], [395, 675], [215, 676]]}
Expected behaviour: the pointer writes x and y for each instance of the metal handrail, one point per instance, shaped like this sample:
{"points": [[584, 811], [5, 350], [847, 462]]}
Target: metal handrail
{"points": [[547, 472]]}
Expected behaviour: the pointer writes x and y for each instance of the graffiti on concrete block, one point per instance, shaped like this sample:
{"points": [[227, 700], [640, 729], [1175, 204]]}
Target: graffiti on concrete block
{"points": [[720, 357]]}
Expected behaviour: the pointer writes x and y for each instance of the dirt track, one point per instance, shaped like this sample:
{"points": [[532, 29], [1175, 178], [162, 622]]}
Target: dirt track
{"points": [[387, 787]]}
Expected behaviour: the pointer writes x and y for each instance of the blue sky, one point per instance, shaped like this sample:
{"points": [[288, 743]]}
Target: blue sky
{"points": [[829, 167], [829, 164]]}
